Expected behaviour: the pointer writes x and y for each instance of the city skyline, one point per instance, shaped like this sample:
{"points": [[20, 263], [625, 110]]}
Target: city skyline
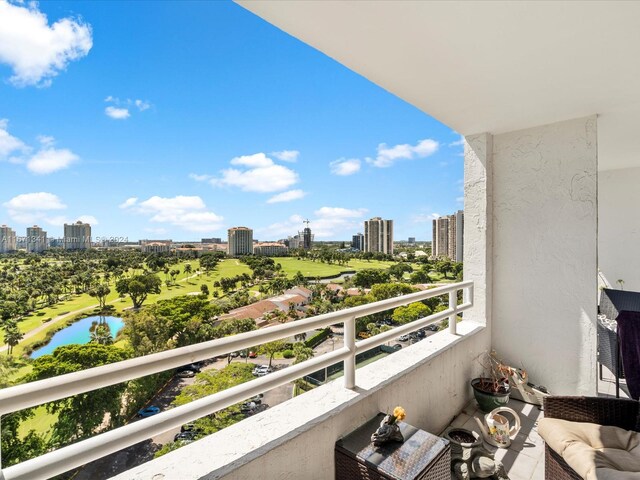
{"points": [[143, 136]]}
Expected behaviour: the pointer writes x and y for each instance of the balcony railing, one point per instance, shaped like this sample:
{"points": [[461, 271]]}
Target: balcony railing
{"points": [[59, 461]]}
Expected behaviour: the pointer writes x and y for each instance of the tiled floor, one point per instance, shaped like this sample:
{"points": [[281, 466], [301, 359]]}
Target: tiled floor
{"points": [[524, 459]]}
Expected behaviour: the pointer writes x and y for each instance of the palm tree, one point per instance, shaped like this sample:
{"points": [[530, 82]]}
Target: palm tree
{"points": [[12, 336], [100, 332]]}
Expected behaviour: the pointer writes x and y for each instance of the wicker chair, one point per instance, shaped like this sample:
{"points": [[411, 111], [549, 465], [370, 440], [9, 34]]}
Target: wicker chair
{"points": [[603, 411]]}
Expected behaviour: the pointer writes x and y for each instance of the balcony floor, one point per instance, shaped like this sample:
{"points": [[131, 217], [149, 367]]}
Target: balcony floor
{"points": [[524, 459]]}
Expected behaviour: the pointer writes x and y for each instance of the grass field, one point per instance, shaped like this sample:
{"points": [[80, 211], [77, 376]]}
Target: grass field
{"points": [[309, 268], [41, 422]]}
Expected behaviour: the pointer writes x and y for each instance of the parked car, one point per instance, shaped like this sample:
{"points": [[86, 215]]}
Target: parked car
{"points": [[192, 367], [433, 328], [421, 334], [188, 427], [246, 407], [262, 370], [188, 436], [186, 373], [253, 354], [234, 354], [257, 409], [148, 411], [257, 399], [397, 346], [404, 338]]}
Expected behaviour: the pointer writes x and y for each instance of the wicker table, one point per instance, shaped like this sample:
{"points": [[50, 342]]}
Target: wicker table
{"points": [[422, 456]]}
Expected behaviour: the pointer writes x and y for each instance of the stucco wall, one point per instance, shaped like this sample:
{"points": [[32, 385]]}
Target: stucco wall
{"points": [[619, 226], [544, 253]]}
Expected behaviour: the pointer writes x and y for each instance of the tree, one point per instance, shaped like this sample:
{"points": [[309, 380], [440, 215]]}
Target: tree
{"points": [[12, 335], [399, 269], [272, 348], [100, 292], [17, 447], [139, 287], [382, 291], [411, 312], [368, 277], [100, 332], [204, 290], [86, 414], [187, 269], [302, 352]]}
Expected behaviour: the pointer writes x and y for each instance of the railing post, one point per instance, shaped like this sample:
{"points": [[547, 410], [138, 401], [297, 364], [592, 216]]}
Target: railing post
{"points": [[350, 344], [453, 303]]}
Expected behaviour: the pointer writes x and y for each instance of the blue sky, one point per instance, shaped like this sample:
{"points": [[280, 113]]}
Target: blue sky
{"points": [[179, 120]]}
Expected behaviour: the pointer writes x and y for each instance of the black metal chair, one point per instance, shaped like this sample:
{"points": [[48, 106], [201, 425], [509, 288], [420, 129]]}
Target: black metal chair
{"points": [[612, 302]]}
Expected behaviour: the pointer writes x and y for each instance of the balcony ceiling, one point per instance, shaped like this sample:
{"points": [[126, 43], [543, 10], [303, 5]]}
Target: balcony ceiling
{"points": [[488, 66]]}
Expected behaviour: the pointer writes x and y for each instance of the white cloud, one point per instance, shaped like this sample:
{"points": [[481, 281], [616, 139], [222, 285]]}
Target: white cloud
{"points": [[458, 142], [328, 222], [117, 113], [287, 155], [387, 156], [345, 166], [142, 105], [48, 160], [8, 143], [33, 207], [90, 219], [262, 175], [199, 178], [255, 160], [287, 196], [35, 51], [425, 217], [129, 202], [186, 212]]}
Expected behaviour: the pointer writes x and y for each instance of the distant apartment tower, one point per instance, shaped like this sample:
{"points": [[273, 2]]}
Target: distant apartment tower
{"points": [[211, 240], [357, 242], [240, 241], [77, 236], [448, 239], [36, 239], [412, 240], [378, 235], [7, 239]]}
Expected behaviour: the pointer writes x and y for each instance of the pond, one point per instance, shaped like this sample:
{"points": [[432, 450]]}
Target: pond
{"points": [[78, 333]]}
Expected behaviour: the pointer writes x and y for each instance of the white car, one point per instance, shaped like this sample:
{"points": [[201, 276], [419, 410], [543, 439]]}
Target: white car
{"points": [[261, 370]]}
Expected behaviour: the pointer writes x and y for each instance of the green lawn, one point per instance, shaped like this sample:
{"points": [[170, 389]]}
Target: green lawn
{"points": [[309, 268], [41, 422]]}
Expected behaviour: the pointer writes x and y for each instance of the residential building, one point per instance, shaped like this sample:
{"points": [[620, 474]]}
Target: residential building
{"points": [[411, 240], [378, 235], [77, 236], [270, 249], [307, 236], [448, 238], [357, 242], [240, 241], [36, 239], [7, 239], [156, 246], [211, 240], [294, 242]]}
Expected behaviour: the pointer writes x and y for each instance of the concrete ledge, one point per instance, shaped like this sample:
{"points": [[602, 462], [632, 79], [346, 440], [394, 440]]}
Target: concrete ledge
{"points": [[322, 415]]}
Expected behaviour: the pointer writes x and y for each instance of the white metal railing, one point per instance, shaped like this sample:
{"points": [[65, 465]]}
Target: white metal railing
{"points": [[59, 461]]}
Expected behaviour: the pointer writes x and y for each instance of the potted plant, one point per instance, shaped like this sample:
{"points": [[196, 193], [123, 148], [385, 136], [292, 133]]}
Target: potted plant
{"points": [[492, 389]]}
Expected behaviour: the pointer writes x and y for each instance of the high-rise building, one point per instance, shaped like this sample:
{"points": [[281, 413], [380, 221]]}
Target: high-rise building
{"points": [[378, 235], [211, 240], [77, 236], [412, 240], [240, 241], [36, 239], [357, 242], [7, 239], [448, 238], [306, 237]]}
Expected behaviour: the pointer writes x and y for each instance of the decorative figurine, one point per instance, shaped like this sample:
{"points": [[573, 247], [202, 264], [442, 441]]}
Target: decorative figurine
{"points": [[389, 431]]}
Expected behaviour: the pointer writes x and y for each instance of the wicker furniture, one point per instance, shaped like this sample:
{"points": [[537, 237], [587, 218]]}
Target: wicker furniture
{"points": [[422, 456], [603, 411]]}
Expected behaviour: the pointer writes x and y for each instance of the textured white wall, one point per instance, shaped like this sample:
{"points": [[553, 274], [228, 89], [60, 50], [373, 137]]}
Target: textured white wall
{"points": [[545, 253], [619, 226]]}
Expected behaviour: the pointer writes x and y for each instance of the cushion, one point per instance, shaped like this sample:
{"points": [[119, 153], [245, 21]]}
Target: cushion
{"points": [[595, 452]]}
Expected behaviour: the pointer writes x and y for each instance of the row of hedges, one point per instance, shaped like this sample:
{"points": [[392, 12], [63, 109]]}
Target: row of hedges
{"points": [[318, 338]]}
